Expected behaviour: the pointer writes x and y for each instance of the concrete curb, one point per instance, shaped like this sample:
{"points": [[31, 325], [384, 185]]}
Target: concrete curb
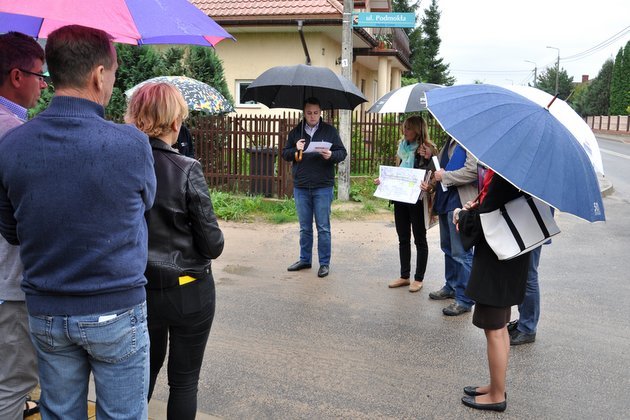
{"points": [[605, 185]]}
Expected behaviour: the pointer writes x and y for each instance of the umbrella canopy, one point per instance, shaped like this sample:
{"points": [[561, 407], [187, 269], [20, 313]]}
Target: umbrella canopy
{"points": [[128, 21], [523, 142], [289, 86], [408, 98], [199, 95], [567, 116]]}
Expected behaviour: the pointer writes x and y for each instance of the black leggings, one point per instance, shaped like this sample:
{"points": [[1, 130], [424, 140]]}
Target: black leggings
{"points": [[410, 217], [184, 313]]}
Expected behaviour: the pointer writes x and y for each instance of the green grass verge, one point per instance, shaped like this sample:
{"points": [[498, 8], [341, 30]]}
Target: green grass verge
{"points": [[242, 208]]}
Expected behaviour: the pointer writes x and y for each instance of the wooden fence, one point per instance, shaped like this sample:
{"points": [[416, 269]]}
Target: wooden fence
{"points": [[242, 153]]}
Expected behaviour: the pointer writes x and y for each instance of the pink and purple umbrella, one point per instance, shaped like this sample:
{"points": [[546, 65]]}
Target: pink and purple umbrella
{"points": [[128, 21]]}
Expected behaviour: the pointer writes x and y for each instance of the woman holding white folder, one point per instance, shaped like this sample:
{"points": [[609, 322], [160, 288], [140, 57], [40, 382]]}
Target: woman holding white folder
{"points": [[414, 151]]}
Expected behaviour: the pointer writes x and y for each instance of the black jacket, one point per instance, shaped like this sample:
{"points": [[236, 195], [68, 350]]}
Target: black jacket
{"points": [[314, 171], [184, 235], [492, 281]]}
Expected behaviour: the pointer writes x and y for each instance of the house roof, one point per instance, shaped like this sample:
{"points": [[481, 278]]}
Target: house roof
{"points": [[218, 9]]}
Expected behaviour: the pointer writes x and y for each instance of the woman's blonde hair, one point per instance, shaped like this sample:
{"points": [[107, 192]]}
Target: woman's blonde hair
{"points": [[154, 107], [417, 124]]}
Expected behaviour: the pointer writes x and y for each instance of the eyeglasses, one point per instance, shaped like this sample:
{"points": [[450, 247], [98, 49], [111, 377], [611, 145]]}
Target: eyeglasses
{"points": [[41, 76]]}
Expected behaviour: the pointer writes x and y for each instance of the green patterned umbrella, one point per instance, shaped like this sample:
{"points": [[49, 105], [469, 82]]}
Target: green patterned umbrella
{"points": [[199, 95]]}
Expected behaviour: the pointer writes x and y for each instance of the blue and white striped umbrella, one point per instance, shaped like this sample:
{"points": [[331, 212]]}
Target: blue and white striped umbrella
{"points": [[408, 98]]}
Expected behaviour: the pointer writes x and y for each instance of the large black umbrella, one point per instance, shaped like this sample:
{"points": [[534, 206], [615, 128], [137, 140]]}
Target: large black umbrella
{"points": [[289, 86]]}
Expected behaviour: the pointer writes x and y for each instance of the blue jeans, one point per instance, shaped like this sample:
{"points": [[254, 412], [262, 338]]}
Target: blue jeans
{"points": [[529, 310], [115, 350], [309, 203], [457, 261]]}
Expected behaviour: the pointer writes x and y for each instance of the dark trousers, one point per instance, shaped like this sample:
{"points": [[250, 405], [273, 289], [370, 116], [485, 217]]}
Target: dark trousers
{"points": [[180, 318], [410, 217]]}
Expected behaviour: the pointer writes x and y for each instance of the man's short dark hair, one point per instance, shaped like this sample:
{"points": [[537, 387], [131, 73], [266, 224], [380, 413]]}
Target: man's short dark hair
{"points": [[311, 101], [18, 51], [73, 51]]}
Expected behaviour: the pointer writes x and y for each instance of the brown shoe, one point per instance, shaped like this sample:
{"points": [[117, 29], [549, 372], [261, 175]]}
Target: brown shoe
{"points": [[415, 286], [399, 283]]}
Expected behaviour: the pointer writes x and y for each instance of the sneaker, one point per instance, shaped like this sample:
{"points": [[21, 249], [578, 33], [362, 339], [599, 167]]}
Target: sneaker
{"points": [[519, 338], [455, 309], [415, 286], [399, 283], [442, 294], [511, 327]]}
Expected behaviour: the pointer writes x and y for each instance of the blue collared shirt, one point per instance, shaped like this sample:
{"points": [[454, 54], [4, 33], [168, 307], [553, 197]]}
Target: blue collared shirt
{"points": [[19, 111]]}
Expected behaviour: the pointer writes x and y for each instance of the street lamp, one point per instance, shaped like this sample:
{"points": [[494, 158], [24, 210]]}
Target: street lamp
{"points": [[535, 72], [557, 66]]}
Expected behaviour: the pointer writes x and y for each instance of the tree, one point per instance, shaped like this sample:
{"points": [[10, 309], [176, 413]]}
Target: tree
{"points": [[137, 64], [426, 66], [597, 98], [620, 82], [174, 61], [547, 82], [617, 91], [625, 76], [403, 6], [578, 99], [203, 64]]}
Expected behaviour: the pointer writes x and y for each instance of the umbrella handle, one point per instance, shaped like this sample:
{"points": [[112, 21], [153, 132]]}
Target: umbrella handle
{"points": [[298, 156]]}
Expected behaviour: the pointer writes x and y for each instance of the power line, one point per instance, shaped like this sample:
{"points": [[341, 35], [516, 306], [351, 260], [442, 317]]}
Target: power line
{"points": [[594, 49], [568, 59], [490, 71]]}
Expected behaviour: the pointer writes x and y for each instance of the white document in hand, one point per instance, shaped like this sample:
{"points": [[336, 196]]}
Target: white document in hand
{"points": [[399, 184], [317, 146], [436, 163]]}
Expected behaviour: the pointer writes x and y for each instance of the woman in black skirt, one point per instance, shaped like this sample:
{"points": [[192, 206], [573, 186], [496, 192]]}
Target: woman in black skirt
{"points": [[495, 285]]}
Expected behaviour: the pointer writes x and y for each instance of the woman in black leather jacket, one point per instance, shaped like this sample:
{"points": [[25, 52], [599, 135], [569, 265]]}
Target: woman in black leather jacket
{"points": [[184, 237]]}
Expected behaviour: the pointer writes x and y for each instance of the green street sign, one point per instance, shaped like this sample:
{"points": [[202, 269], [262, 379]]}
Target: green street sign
{"points": [[384, 20]]}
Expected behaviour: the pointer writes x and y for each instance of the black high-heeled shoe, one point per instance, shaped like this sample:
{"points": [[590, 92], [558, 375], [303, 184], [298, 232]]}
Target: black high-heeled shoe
{"points": [[470, 402]]}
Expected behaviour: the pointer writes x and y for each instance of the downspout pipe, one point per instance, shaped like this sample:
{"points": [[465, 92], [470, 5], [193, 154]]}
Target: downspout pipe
{"points": [[308, 57]]}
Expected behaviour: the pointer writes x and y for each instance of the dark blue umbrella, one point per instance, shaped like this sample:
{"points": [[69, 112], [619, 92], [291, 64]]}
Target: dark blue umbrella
{"points": [[523, 142]]}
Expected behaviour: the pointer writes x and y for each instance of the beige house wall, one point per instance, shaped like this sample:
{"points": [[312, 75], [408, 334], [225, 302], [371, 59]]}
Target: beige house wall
{"points": [[253, 53]]}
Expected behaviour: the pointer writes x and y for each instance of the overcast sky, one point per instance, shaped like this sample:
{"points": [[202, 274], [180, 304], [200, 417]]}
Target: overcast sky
{"points": [[489, 40]]}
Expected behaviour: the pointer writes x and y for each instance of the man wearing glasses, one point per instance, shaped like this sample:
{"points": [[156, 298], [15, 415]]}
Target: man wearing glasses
{"points": [[21, 83]]}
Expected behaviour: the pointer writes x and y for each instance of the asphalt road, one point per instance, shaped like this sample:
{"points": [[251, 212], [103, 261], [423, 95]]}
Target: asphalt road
{"points": [[290, 345]]}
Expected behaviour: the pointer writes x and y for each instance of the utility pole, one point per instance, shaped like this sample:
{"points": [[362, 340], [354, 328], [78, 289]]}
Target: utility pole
{"points": [[557, 67], [535, 73], [345, 115]]}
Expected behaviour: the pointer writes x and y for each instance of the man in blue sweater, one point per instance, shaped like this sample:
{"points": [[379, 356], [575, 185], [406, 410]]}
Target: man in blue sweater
{"points": [[73, 192]]}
